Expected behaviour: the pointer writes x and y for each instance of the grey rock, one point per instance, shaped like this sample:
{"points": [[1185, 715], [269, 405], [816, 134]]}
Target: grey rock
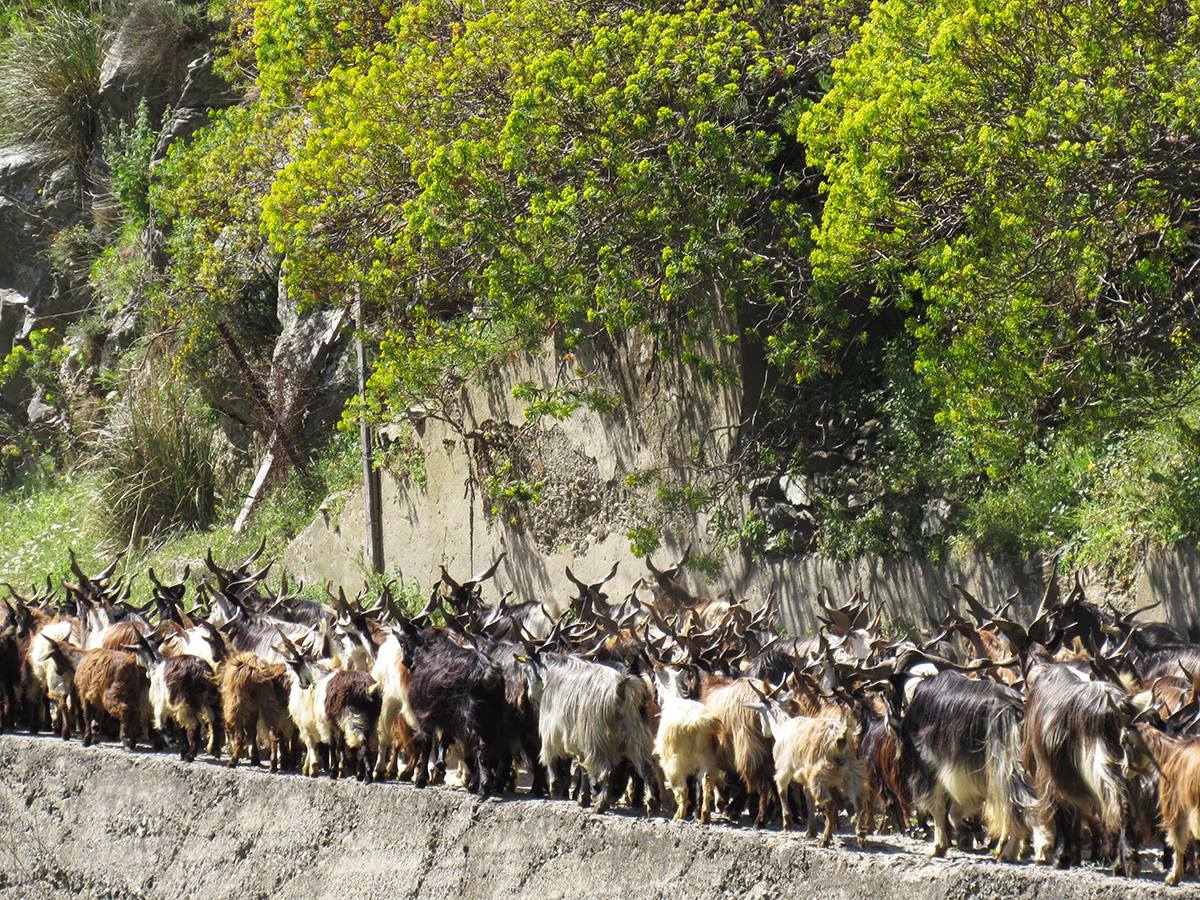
{"points": [[40, 413], [202, 91], [797, 490], [142, 59], [936, 517], [122, 332]]}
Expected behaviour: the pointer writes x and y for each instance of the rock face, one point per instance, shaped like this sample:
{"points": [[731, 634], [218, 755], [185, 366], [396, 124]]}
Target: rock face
{"points": [[151, 57], [26, 282], [101, 822], [202, 91]]}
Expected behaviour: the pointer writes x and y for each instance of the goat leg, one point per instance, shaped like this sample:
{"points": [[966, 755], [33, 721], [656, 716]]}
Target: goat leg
{"points": [[941, 822], [783, 786], [421, 752]]}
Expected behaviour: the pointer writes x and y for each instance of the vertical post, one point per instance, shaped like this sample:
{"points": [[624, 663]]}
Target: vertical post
{"points": [[372, 504]]}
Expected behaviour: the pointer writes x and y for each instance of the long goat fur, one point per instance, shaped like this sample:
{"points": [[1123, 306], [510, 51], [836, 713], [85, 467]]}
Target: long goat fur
{"points": [[687, 745], [599, 716], [961, 747]]}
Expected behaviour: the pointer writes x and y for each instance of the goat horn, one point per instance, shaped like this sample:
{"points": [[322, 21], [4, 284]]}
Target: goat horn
{"points": [[75, 566], [112, 567], [489, 572], [571, 577], [612, 573], [1141, 609], [253, 557], [450, 582], [978, 610], [212, 565]]}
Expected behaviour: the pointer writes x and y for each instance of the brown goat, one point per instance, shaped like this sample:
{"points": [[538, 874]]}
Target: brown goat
{"points": [[121, 634], [745, 750], [112, 682], [1178, 761], [254, 695], [352, 702]]}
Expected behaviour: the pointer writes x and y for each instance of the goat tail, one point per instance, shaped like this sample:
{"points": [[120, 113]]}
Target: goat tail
{"points": [[1010, 800]]}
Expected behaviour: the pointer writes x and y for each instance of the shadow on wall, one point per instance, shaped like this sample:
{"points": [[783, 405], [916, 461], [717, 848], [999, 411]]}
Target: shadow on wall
{"points": [[664, 410], [1172, 577]]}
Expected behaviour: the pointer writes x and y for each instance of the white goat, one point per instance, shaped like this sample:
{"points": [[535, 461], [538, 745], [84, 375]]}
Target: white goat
{"points": [[687, 745]]}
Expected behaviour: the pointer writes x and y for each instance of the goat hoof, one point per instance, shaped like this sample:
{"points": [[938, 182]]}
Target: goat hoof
{"points": [[938, 852]]}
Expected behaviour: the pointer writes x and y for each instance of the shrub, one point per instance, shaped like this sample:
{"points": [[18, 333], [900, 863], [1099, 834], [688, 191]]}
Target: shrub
{"points": [[122, 271], [73, 250], [127, 151], [158, 462], [50, 85]]}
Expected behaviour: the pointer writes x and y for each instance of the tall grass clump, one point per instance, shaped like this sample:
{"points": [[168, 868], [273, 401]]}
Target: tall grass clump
{"points": [[50, 85], [158, 461]]}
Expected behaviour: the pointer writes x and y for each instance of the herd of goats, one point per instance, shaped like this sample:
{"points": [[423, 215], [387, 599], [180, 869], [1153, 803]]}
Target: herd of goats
{"points": [[1077, 730]]}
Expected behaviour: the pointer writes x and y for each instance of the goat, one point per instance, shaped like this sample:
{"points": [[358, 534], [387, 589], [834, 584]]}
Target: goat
{"points": [[688, 741], [886, 785], [254, 697], [307, 683], [599, 716], [110, 682], [397, 720], [10, 667], [746, 756], [26, 692], [352, 704], [820, 754], [50, 677], [183, 691], [1178, 762], [960, 746], [1075, 750], [457, 692]]}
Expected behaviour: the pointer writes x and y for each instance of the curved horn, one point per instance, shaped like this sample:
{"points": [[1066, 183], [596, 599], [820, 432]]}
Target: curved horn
{"points": [[83, 579], [212, 565], [977, 609], [450, 582], [1129, 617], [489, 572], [112, 567], [571, 577], [253, 557], [612, 573]]}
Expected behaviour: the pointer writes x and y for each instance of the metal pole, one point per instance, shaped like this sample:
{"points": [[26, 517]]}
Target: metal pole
{"points": [[372, 505]]}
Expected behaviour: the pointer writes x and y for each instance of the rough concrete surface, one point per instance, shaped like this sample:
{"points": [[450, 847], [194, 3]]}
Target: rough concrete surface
{"points": [[101, 822]]}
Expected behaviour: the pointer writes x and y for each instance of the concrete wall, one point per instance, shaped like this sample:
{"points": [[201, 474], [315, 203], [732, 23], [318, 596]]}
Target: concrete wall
{"points": [[101, 822], [583, 518]]}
